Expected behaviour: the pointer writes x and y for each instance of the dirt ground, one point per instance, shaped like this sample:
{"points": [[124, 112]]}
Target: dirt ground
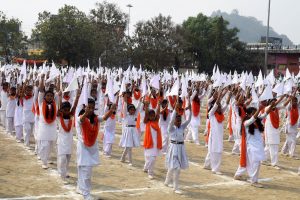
{"points": [[21, 176]]}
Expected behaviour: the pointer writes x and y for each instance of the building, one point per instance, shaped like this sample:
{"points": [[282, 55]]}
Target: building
{"points": [[279, 58]]}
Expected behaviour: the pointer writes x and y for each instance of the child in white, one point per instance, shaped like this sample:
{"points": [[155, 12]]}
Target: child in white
{"points": [[129, 138], [176, 158], [10, 112]]}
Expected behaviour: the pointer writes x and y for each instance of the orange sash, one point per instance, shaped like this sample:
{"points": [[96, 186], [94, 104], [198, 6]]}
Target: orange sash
{"points": [[67, 98], [154, 102], [208, 132], [274, 116], [137, 95], [172, 101], [63, 125], [89, 131], [35, 108], [294, 115], [148, 141], [45, 107], [138, 121], [220, 117], [243, 157], [229, 121], [28, 97], [196, 108]]}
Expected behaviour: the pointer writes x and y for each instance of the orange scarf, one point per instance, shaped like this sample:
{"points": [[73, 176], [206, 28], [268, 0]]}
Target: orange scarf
{"points": [[196, 108], [63, 125], [67, 98], [35, 108], [89, 131], [220, 117], [243, 157], [129, 100], [208, 132], [45, 107], [154, 102], [148, 141], [274, 116], [229, 121], [294, 115], [172, 101], [137, 95], [28, 97], [138, 121], [113, 116]]}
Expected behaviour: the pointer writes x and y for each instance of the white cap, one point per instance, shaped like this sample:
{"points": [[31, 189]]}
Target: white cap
{"points": [[267, 94]]}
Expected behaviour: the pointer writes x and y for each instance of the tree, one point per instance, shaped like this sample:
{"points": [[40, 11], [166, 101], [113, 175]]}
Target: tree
{"points": [[65, 36], [211, 42], [12, 40], [109, 24], [156, 43]]}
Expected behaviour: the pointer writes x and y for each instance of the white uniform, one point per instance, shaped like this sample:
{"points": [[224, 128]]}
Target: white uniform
{"points": [[28, 119], [255, 152], [18, 120], [193, 133], [10, 113], [130, 137], [47, 133], [215, 142], [87, 158], [4, 100], [151, 154], [272, 140], [176, 158], [64, 148], [291, 133], [109, 135], [237, 129], [163, 124]]}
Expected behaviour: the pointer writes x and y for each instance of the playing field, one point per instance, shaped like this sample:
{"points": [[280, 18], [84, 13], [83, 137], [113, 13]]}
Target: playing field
{"points": [[21, 177]]}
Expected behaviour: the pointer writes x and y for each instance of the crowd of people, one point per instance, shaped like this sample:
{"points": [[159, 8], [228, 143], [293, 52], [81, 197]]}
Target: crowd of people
{"points": [[158, 111]]}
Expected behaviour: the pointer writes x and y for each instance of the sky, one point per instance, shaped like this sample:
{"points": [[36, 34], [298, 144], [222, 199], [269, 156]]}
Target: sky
{"points": [[284, 17]]}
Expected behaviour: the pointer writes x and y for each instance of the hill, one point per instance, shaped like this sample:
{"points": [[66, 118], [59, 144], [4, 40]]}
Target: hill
{"points": [[251, 29]]}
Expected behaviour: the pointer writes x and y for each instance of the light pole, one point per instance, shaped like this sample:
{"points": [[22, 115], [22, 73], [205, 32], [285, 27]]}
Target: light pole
{"points": [[267, 40], [129, 6]]}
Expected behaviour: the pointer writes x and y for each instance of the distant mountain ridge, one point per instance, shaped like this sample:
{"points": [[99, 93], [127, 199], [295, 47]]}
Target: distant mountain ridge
{"points": [[251, 29]]}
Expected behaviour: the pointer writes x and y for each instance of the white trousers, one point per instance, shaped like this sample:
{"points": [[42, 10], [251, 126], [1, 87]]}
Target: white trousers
{"points": [[271, 151], [3, 118], [45, 148], [213, 160], [252, 169], [149, 164], [63, 164], [127, 150], [19, 132], [173, 174], [165, 141], [236, 146], [84, 183], [290, 144], [193, 134], [107, 148], [28, 130], [10, 125]]}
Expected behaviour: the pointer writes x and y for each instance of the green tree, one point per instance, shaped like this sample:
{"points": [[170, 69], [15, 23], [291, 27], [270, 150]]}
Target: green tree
{"points": [[211, 42], [156, 43], [65, 36], [12, 40], [109, 25]]}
